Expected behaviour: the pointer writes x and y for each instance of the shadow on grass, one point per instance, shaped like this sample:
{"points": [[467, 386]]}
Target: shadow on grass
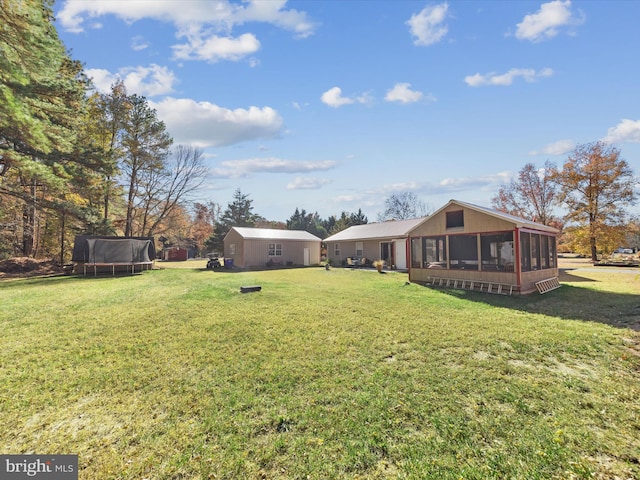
{"points": [[568, 275], [620, 310], [255, 269], [59, 278]]}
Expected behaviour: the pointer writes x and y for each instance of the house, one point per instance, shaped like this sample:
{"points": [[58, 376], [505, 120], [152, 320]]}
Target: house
{"points": [[474, 247], [260, 247], [374, 241]]}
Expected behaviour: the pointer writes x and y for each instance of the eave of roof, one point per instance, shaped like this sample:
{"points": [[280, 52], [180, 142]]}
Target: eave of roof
{"points": [[383, 230], [274, 234]]}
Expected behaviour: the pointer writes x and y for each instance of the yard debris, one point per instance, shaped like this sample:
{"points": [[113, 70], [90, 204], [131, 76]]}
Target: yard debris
{"points": [[250, 288], [19, 267]]}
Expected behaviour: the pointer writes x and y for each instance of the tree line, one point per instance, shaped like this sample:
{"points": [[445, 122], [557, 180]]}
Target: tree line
{"points": [[212, 223], [75, 161]]}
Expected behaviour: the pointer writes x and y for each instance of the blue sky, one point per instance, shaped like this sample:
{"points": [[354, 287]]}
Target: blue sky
{"points": [[334, 105]]}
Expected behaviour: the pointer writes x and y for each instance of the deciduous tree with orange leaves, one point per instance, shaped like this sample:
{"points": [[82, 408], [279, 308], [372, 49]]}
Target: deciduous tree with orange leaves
{"points": [[596, 184]]}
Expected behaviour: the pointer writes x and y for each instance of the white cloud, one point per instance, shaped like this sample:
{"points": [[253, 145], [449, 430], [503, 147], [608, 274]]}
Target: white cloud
{"points": [[506, 79], [205, 124], [333, 97], [401, 92], [547, 22], [462, 184], [561, 147], [148, 81], [375, 196], [399, 187], [626, 131], [207, 26], [102, 79], [273, 12], [138, 43], [428, 27], [214, 48], [243, 168], [222, 15], [451, 187], [305, 183]]}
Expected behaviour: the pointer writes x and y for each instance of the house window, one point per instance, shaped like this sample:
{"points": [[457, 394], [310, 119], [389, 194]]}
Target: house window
{"points": [[416, 253], [434, 252], [463, 252], [232, 249], [359, 249], [497, 252], [336, 250], [275, 250], [386, 252], [455, 219]]}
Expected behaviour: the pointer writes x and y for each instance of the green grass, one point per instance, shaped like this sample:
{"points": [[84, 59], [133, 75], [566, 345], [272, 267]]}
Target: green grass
{"points": [[323, 374]]}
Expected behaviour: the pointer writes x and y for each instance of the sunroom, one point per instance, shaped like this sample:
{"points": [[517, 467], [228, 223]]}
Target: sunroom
{"points": [[473, 247]]}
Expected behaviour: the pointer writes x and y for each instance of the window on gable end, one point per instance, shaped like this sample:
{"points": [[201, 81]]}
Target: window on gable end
{"points": [[455, 219]]}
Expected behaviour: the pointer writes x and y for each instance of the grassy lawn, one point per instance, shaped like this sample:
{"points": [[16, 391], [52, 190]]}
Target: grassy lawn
{"points": [[174, 374]]}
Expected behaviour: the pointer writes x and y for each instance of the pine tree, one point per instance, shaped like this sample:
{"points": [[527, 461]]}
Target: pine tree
{"points": [[41, 95], [239, 213], [145, 145]]}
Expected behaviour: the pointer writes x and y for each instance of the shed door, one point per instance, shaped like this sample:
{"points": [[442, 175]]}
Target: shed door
{"points": [[307, 257], [401, 255]]}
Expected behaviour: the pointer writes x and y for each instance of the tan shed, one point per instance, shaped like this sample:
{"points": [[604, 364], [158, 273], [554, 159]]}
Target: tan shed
{"points": [[267, 247], [469, 246]]}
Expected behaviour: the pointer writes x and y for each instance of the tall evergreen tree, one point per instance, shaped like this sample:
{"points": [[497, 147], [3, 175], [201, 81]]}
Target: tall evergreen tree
{"points": [[41, 88], [146, 145], [239, 213], [108, 114], [41, 99], [333, 224], [309, 222], [358, 218]]}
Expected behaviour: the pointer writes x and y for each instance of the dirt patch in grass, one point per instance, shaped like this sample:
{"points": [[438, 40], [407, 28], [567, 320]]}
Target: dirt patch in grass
{"points": [[22, 267]]}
